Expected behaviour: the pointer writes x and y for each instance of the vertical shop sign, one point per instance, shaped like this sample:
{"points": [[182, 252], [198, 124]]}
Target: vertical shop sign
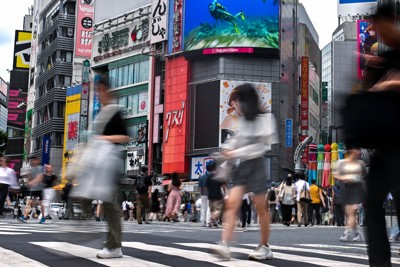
{"points": [[177, 26], [84, 29], [304, 93], [46, 149], [159, 21], [289, 132]]}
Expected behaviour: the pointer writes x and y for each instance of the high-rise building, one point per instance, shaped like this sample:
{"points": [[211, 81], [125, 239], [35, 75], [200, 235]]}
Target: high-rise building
{"points": [[3, 105], [52, 73]]}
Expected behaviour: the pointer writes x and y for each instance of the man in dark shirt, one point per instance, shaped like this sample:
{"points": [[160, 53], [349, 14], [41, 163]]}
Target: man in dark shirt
{"points": [[383, 176], [115, 132], [215, 195], [143, 188], [205, 211]]}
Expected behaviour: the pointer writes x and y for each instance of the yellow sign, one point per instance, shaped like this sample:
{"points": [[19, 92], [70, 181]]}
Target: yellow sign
{"points": [[71, 129], [22, 49]]}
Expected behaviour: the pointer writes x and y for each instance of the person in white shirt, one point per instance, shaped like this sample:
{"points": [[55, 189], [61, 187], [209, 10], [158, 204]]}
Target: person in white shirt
{"points": [[302, 207], [7, 179]]}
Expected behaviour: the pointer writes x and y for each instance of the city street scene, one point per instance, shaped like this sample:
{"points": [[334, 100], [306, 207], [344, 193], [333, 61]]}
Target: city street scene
{"points": [[199, 133]]}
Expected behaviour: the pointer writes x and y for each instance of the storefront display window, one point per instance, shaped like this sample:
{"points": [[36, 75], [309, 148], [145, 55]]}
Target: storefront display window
{"points": [[131, 104], [129, 74]]}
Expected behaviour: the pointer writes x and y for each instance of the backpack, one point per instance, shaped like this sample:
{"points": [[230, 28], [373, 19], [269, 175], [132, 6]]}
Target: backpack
{"points": [[272, 195], [141, 186]]}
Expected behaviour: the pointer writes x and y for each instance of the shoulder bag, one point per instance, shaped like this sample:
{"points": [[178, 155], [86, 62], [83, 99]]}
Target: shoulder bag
{"points": [[305, 194]]}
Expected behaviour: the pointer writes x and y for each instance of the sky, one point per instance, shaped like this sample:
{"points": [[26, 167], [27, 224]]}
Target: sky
{"points": [[324, 22], [12, 17]]}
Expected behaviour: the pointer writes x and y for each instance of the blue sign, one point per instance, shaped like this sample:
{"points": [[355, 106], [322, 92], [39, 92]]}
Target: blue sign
{"points": [[46, 150], [96, 100], [355, 1], [289, 132]]}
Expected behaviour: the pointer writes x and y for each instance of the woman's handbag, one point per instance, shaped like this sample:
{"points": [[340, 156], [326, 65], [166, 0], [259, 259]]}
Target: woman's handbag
{"points": [[369, 119], [305, 194]]}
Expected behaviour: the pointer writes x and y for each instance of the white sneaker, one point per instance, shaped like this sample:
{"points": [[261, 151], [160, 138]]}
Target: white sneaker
{"points": [[262, 252], [221, 251], [357, 237], [347, 236], [106, 253]]}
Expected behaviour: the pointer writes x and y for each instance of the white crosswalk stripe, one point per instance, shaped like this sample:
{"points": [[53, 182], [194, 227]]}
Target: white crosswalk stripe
{"points": [[141, 254], [10, 258]]}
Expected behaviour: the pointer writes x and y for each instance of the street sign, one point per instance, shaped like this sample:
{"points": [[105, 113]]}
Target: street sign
{"points": [[289, 132]]}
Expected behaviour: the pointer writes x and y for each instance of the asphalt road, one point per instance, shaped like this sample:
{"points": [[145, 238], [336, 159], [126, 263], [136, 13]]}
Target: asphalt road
{"points": [[75, 243]]}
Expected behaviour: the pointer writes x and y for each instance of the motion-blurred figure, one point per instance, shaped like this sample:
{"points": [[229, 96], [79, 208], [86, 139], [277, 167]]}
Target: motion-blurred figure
{"points": [[256, 132], [114, 131], [7, 180], [383, 73]]}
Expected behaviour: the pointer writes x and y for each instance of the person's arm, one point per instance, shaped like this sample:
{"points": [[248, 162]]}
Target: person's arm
{"points": [[117, 139], [37, 180], [169, 187], [321, 197]]}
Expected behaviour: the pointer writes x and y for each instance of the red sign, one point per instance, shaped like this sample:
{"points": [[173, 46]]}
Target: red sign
{"points": [[174, 119], [304, 157], [177, 26], [304, 93], [84, 29], [231, 50]]}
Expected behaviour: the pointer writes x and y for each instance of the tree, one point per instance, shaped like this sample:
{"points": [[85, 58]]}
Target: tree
{"points": [[3, 142]]}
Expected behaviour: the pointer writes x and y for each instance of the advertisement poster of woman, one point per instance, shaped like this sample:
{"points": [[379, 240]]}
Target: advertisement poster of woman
{"points": [[229, 115]]}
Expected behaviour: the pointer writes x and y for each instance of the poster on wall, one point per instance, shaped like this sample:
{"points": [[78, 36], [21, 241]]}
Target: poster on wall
{"points": [[231, 24], [228, 119], [143, 100], [22, 50], [367, 44], [84, 29]]}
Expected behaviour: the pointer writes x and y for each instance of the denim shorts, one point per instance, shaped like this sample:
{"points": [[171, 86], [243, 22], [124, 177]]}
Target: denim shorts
{"points": [[253, 175]]}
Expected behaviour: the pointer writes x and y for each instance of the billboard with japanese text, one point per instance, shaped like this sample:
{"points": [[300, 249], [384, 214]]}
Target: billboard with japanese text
{"points": [[84, 28], [304, 87]]}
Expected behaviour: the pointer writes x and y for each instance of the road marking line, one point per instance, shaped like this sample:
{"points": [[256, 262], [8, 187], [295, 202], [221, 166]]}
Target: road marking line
{"points": [[90, 254], [286, 257], [13, 233], [10, 258], [192, 255]]}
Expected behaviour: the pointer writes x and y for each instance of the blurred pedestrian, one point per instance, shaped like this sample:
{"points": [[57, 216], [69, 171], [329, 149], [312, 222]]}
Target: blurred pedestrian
{"points": [[351, 171], [143, 188], [125, 209], [69, 209], [8, 180], [246, 211], [256, 133], [205, 211], [155, 205], [174, 198], [315, 206], [35, 191], [302, 188], [287, 197], [337, 203], [113, 131], [216, 191]]}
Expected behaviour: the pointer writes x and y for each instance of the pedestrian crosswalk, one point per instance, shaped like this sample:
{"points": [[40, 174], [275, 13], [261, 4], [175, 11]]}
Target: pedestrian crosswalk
{"points": [[154, 254]]}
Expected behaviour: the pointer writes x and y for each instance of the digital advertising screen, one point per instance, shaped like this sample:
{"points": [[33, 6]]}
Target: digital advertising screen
{"points": [[231, 26]]}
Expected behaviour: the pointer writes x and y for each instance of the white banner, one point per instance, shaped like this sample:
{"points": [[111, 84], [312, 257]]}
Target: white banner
{"points": [[198, 167], [159, 21]]}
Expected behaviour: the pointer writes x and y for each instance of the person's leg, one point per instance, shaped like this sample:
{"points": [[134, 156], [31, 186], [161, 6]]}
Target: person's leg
{"points": [[204, 207], [212, 206], [310, 214], [139, 207], [317, 208], [249, 214], [3, 196], [112, 213], [231, 209], [243, 213], [262, 211], [299, 211], [305, 213], [378, 187]]}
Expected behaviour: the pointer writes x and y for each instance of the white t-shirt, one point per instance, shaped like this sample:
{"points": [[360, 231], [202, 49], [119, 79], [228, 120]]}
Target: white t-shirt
{"points": [[7, 176], [299, 185]]}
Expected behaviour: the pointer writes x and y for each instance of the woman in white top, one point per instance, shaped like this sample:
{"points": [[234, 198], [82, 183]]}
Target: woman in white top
{"points": [[287, 196], [256, 133], [7, 179]]}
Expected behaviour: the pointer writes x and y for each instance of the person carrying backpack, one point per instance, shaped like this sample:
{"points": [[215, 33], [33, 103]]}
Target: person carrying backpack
{"points": [[143, 188]]}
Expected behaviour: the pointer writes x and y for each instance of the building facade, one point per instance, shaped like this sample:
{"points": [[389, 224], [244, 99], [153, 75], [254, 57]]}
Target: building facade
{"points": [[55, 32]]}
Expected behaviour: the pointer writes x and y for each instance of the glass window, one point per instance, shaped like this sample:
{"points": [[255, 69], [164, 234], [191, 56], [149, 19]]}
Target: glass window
{"points": [[68, 56], [130, 73], [67, 80], [120, 78], [136, 73], [144, 71], [122, 102], [125, 75], [114, 78], [129, 108], [135, 104]]}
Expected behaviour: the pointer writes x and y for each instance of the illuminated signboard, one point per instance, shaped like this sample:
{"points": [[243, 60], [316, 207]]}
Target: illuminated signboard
{"points": [[231, 24]]}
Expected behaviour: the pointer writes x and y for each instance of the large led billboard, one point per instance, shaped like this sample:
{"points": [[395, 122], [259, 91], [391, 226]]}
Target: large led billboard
{"points": [[224, 26]]}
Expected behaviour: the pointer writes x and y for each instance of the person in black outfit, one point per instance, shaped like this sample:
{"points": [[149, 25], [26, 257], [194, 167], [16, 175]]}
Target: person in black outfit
{"points": [[143, 188], [114, 132], [215, 196], [68, 202], [383, 176]]}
